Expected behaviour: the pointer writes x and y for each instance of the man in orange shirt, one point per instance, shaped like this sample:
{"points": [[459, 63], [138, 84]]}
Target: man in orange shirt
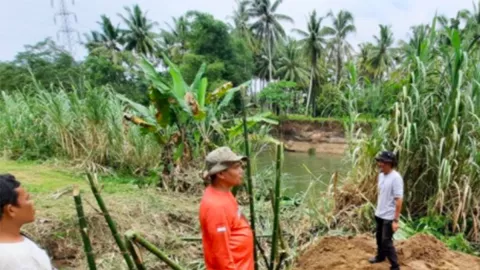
{"points": [[226, 235]]}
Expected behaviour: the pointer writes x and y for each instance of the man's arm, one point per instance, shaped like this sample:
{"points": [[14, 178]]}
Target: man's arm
{"points": [[398, 208], [398, 193]]}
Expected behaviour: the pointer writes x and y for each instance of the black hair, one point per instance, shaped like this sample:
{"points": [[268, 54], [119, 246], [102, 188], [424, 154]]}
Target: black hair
{"points": [[8, 195], [212, 179], [394, 162]]}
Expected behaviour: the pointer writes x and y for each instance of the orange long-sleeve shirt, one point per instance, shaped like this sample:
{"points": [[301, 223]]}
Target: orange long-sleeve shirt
{"points": [[226, 235]]}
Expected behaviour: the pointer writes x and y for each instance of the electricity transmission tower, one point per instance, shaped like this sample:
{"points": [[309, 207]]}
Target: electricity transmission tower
{"points": [[66, 35]]}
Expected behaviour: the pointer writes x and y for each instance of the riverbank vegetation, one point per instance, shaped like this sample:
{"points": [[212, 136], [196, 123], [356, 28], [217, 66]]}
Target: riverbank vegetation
{"points": [[150, 103]]}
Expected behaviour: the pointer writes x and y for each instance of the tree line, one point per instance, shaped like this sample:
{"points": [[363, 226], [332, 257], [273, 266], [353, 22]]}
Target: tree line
{"points": [[252, 44]]}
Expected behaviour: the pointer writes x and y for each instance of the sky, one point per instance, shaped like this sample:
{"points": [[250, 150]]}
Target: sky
{"points": [[25, 22]]}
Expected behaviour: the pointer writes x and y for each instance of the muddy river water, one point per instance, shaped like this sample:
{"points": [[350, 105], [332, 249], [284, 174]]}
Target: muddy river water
{"points": [[300, 169]]}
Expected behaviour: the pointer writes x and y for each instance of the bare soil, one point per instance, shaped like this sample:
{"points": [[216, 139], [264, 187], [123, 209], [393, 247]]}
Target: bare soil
{"points": [[420, 252], [327, 137]]}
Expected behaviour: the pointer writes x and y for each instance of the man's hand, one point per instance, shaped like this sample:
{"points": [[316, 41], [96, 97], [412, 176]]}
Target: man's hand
{"points": [[395, 226]]}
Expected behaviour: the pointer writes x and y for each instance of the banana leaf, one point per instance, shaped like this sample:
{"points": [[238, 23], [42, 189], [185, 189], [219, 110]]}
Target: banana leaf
{"points": [[202, 92], [219, 92], [198, 78], [179, 87], [140, 109], [152, 75], [161, 101], [229, 93], [251, 122]]}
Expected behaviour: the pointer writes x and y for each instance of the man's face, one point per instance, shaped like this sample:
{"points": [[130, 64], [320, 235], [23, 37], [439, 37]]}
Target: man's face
{"points": [[233, 175], [384, 167], [24, 211]]}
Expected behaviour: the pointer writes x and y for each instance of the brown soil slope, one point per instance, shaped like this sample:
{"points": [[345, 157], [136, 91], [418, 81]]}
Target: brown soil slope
{"points": [[420, 252]]}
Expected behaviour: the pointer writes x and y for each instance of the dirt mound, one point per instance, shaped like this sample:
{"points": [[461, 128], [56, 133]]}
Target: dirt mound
{"points": [[420, 252]]}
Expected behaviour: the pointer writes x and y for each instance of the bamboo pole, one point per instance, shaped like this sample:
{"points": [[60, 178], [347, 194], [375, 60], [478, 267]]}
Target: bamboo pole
{"points": [[153, 249], [335, 191], [249, 180], [137, 258], [283, 244], [92, 179], [276, 210], [82, 222]]}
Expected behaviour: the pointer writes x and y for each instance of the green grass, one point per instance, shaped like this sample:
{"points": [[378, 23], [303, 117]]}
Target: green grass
{"points": [[304, 118], [38, 178], [46, 179]]}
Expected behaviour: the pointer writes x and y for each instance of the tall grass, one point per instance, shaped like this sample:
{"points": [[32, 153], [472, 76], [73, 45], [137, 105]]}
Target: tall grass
{"points": [[85, 127], [434, 128]]}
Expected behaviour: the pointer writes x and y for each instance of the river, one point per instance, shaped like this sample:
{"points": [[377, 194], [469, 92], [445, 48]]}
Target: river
{"points": [[296, 176]]}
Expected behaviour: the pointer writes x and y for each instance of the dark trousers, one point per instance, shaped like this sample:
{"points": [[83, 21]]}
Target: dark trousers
{"points": [[385, 248]]}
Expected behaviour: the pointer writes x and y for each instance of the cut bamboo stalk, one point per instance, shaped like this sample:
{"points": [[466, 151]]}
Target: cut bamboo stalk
{"points": [[276, 210], [82, 222], [92, 179], [335, 191], [283, 244], [249, 179], [153, 249], [137, 258]]}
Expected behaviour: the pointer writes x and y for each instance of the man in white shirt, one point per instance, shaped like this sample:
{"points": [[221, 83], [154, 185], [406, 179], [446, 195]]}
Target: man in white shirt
{"points": [[389, 206], [16, 251]]}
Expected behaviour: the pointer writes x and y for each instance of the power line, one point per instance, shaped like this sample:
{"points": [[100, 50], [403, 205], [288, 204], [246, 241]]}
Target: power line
{"points": [[66, 35]]}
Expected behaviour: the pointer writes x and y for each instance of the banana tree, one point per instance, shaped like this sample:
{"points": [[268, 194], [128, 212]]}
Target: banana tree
{"points": [[182, 116]]}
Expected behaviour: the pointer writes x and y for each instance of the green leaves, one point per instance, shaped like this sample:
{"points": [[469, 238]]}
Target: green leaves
{"points": [[218, 93], [142, 110], [198, 78], [251, 122], [162, 104], [229, 93], [152, 75], [179, 87], [202, 92]]}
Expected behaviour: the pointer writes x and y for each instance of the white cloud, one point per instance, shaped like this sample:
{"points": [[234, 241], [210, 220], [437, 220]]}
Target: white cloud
{"points": [[27, 22]]}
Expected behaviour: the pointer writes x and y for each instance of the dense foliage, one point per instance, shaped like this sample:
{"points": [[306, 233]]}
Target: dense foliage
{"points": [[434, 129]]}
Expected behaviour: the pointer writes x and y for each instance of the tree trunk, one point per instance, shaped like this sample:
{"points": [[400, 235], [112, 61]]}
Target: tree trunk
{"points": [[295, 101], [270, 60], [339, 64], [315, 93], [310, 89]]}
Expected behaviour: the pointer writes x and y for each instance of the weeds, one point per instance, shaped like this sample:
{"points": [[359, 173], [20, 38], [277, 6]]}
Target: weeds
{"points": [[83, 127]]}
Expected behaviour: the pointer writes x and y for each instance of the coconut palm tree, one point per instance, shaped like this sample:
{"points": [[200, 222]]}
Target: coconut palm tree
{"points": [[291, 66], [411, 49], [139, 36], [267, 26], [363, 61], [179, 32], [343, 25], [108, 41], [109, 37], [241, 26], [313, 43], [382, 53], [262, 66]]}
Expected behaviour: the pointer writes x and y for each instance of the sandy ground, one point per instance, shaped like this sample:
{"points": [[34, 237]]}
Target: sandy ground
{"points": [[420, 252]]}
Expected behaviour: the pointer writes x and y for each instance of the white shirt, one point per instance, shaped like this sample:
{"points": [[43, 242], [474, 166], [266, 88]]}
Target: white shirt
{"points": [[24, 255], [390, 187]]}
